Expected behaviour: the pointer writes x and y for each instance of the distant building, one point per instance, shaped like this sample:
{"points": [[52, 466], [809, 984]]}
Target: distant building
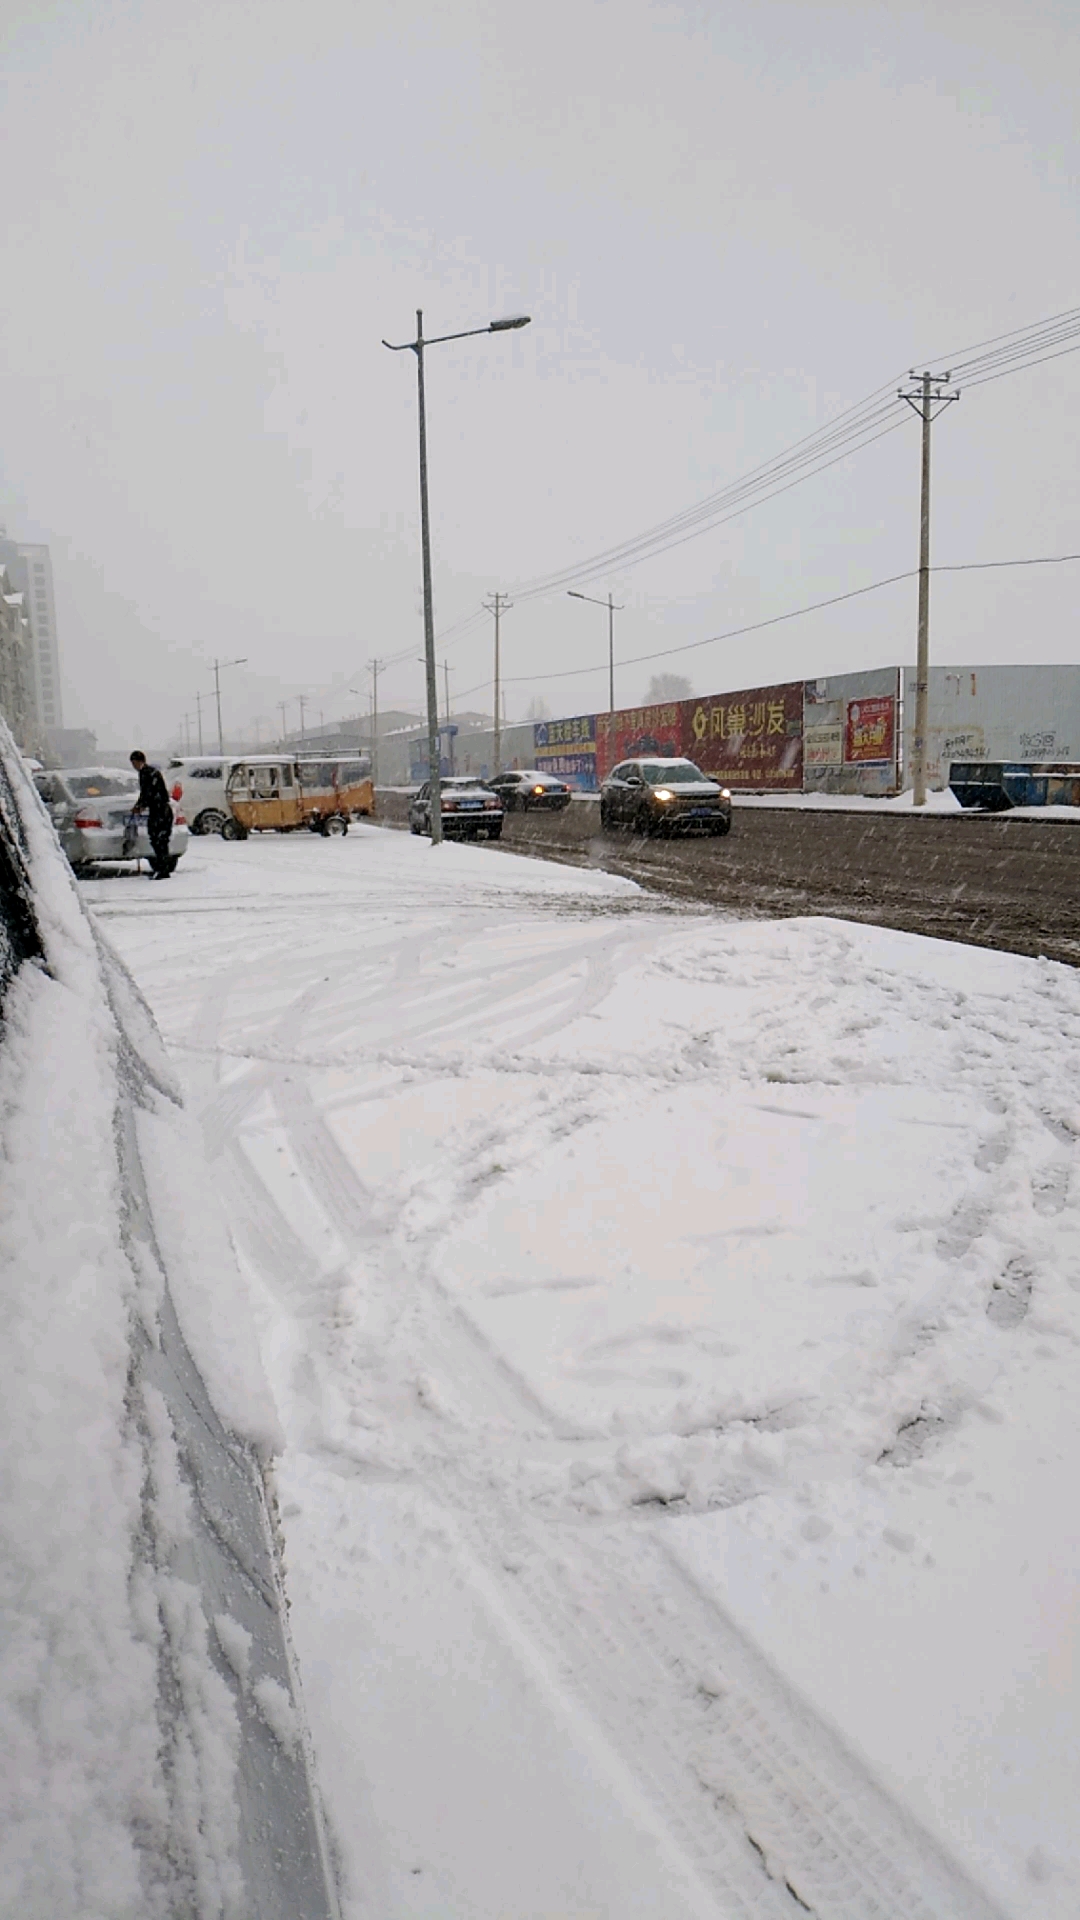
{"points": [[74, 747], [17, 694], [30, 571]]}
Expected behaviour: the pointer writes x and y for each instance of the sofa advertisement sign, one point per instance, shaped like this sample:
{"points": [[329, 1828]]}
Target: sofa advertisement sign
{"points": [[751, 739]]}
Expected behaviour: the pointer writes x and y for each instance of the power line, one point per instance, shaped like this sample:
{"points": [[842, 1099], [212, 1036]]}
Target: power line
{"points": [[795, 613], [858, 426]]}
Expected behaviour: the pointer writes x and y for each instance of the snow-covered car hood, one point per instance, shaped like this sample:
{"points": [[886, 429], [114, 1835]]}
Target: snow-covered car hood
{"points": [[157, 1757]]}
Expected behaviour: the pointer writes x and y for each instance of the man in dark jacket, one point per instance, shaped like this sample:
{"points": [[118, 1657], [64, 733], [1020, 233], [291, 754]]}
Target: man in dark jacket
{"points": [[154, 802]]}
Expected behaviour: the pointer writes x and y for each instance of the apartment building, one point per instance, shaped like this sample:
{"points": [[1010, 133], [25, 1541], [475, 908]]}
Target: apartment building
{"points": [[29, 569]]}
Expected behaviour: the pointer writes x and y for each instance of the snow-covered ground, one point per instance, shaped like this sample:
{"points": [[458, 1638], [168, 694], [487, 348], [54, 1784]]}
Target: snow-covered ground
{"points": [[675, 1327]]}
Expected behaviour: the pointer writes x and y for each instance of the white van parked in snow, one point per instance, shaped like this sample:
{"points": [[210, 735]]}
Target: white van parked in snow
{"points": [[198, 785]]}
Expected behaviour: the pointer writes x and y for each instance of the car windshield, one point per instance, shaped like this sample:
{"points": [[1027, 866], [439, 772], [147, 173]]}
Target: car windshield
{"points": [[672, 773], [100, 786]]}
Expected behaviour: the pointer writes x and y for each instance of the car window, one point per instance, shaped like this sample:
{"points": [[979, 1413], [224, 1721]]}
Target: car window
{"points": [[98, 786], [202, 773], [425, 791]]}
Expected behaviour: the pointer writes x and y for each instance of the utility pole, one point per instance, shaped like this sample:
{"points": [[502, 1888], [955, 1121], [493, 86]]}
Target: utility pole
{"points": [[281, 706], [301, 701], [928, 400], [375, 666], [198, 709], [218, 665], [497, 605]]}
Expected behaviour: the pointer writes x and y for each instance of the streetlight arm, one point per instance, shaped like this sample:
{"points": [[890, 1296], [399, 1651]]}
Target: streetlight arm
{"points": [[494, 326]]}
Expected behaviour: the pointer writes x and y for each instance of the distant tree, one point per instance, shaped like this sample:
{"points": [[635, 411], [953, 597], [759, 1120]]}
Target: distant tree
{"points": [[667, 686], [538, 708]]}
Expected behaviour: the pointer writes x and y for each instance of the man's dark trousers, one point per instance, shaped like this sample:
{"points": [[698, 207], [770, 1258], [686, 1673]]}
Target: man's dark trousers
{"points": [[159, 827]]}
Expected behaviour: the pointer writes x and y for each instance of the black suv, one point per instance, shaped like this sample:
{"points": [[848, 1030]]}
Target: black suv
{"points": [[664, 796]]}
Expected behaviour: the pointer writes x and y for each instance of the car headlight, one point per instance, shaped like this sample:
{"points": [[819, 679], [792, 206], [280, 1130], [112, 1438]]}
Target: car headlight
{"points": [[662, 793]]}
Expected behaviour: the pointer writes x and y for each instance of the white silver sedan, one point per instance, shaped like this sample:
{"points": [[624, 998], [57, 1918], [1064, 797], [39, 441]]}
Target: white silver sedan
{"points": [[92, 811]]}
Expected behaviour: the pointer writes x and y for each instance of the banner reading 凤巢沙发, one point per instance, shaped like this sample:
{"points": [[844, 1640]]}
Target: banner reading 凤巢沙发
{"points": [[752, 739]]}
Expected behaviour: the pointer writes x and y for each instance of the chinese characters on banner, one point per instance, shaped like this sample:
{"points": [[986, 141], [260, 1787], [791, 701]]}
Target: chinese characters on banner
{"points": [[870, 733], [637, 731], [567, 748], [751, 739]]}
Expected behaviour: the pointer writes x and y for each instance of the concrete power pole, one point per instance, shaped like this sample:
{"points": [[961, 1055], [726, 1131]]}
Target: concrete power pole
{"points": [[497, 605], [376, 666], [928, 400]]}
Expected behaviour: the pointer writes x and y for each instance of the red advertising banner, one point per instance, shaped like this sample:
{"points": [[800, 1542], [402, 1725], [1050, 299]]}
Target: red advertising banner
{"points": [[870, 729], [628, 734], [751, 739]]}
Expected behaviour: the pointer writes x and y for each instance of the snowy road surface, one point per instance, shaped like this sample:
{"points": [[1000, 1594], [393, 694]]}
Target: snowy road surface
{"points": [[675, 1324]]}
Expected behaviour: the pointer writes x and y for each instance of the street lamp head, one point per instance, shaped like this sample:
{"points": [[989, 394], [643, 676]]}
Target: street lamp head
{"points": [[571, 595], [513, 320]]}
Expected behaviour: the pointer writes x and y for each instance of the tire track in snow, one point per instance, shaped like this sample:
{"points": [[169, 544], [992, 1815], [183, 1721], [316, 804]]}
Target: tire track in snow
{"points": [[765, 1803]]}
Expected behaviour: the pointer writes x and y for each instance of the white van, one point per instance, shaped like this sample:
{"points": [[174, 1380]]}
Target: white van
{"points": [[198, 785]]}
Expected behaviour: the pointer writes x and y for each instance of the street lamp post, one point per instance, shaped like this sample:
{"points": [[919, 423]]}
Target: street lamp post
{"points": [[375, 667], [418, 346], [218, 665], [613, 607]]}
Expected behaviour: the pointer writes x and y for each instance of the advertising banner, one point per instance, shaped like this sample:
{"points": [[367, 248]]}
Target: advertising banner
{"points": [[823, 746], [634, 731], [751, 739], [870, 732], [567, 749]]}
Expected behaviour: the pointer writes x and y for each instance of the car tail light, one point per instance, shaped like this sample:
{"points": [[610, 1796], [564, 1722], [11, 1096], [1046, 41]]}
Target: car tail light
{"points": [[179, 820], [178, 791], [87, 820], [491, 804], [538, 789]]}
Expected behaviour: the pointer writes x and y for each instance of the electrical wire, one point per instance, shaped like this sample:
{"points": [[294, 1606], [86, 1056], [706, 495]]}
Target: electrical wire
{"points": [[777, 619], [858, 426]]}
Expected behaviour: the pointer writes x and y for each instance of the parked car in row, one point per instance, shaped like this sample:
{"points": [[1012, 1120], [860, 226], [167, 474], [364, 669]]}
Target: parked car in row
{"points": [[664, 796], [91, 809], [198, 785], [470, 809], [529, 790]]}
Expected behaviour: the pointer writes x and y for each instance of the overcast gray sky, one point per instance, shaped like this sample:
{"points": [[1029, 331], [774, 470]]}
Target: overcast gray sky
{"points": [[728, 223]]}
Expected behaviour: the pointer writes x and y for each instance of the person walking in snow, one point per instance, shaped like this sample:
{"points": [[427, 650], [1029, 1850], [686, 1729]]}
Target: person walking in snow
{"points": [[154, 802]]}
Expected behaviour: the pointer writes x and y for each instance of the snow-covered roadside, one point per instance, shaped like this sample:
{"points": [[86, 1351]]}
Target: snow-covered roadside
{"points": [[599, 1251], [936, 803]]}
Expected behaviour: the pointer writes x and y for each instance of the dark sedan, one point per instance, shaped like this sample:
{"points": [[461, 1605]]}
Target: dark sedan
{"points": [[528, 790], [664, 796], [469, 809]]}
